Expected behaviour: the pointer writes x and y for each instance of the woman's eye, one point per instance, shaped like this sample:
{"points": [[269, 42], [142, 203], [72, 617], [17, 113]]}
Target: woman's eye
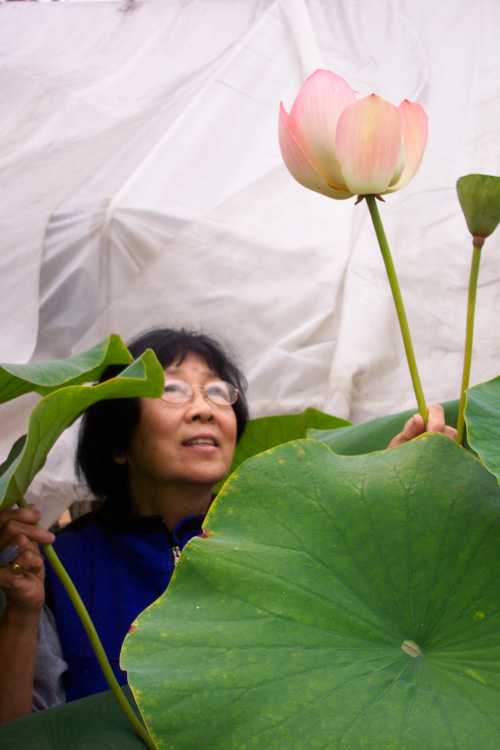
{"points": [[173, 388], [218, 390]]}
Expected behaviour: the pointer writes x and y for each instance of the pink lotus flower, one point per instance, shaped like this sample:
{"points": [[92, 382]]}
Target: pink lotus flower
{"points": [[341, 145]]}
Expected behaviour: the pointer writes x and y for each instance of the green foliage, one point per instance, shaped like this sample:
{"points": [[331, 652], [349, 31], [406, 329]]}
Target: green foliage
{"points": [[45, 377], [56, 411], [479, 196], [374, 435], [338, 602], [65, 397], [267, 432], [94, 723], [482, 416]]}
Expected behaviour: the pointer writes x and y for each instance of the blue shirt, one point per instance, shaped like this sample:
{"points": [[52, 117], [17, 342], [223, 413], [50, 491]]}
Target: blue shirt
{"points": [[119, 565]]}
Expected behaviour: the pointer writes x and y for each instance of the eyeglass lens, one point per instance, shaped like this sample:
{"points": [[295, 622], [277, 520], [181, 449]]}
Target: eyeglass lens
{"points": [[218, 391]]}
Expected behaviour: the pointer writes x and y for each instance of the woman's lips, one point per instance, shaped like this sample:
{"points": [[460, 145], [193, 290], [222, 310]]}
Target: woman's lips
{"points": [[201, 441]]}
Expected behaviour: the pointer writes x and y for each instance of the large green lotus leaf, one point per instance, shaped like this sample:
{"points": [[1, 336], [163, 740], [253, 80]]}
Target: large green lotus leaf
{"points": [[94, 723], [338, 602], [15, 380], [55, 412], [479, 197], [376, 434], [267, 432], [482, 417]]}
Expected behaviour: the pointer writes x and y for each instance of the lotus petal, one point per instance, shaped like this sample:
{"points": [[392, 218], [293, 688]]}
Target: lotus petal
{"points": [[314, 117], [415, 128], [300, 166], [368, 143]]}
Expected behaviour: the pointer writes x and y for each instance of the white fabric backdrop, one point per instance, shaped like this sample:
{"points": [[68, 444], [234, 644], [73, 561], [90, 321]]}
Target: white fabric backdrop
{"points": [[142, 184]]}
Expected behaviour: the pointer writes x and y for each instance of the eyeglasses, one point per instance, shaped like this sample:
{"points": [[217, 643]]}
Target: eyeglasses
{"points": [[217, 391]]}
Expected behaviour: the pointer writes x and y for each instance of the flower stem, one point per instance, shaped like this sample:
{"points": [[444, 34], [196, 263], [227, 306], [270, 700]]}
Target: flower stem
{"points": [[471, 307], [398, 300], [95, 641]]}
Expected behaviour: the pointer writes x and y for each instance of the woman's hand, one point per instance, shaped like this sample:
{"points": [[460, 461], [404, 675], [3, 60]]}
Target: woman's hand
{"points": [[22, 579], [415, 426]]}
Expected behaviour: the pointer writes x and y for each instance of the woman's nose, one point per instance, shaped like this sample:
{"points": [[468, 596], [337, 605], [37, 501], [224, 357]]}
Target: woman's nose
{"points": [[200, 405]]}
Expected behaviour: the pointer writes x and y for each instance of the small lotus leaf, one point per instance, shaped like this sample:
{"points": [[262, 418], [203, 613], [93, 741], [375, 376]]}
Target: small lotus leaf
{"points": [[374, 435], [479, 196], [45, 377], [56, 411], [267, 432], [94, 723]]}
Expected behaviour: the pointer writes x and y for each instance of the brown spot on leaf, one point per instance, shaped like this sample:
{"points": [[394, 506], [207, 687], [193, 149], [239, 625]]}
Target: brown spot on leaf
{"points": [[205, 534]]}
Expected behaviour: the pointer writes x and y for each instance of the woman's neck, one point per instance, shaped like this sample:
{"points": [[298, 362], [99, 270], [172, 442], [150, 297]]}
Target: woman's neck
{"points": [[171, 503]]}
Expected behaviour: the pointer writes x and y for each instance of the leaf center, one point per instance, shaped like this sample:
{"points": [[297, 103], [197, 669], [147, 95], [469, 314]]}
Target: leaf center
{"points": [[411, 648]]}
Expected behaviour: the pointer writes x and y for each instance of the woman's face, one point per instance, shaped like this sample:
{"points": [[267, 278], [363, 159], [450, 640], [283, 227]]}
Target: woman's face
{"points": [[164, 450]]}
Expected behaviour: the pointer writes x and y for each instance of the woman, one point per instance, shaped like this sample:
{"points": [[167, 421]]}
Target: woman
{"points": [[154, 462]]}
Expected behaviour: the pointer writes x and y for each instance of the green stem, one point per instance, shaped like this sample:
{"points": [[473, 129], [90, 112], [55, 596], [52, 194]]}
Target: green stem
{"points": [[469, 333], [95, 641], [396, 293]]}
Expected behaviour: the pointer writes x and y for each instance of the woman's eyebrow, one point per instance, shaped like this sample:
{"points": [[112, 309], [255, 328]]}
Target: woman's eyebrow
{"points": [[175, 369]]}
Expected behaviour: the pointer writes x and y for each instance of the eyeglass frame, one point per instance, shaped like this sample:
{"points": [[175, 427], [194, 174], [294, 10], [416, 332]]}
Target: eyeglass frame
{"points": [[202, 388]]}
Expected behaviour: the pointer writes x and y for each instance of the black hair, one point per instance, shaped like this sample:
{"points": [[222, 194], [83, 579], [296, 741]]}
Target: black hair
{"points": [[108, 426]]}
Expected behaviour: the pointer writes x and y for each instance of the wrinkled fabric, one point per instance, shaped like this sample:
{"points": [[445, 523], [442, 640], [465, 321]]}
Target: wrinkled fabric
{"points": [[50, 666]]}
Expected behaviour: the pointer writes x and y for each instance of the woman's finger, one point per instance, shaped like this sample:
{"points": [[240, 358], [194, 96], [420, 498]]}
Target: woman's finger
{"points": [[28, 561], [450, 432], [29, 514], [12, 529], [412, 429], [436, 419]]}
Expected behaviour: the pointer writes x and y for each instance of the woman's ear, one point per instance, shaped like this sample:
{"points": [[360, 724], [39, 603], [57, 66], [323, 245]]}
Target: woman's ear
{"points": [[120, 458]]}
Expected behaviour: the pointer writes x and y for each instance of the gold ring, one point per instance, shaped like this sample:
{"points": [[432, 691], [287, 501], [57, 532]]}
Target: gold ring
{"points": [[17, 569]]}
